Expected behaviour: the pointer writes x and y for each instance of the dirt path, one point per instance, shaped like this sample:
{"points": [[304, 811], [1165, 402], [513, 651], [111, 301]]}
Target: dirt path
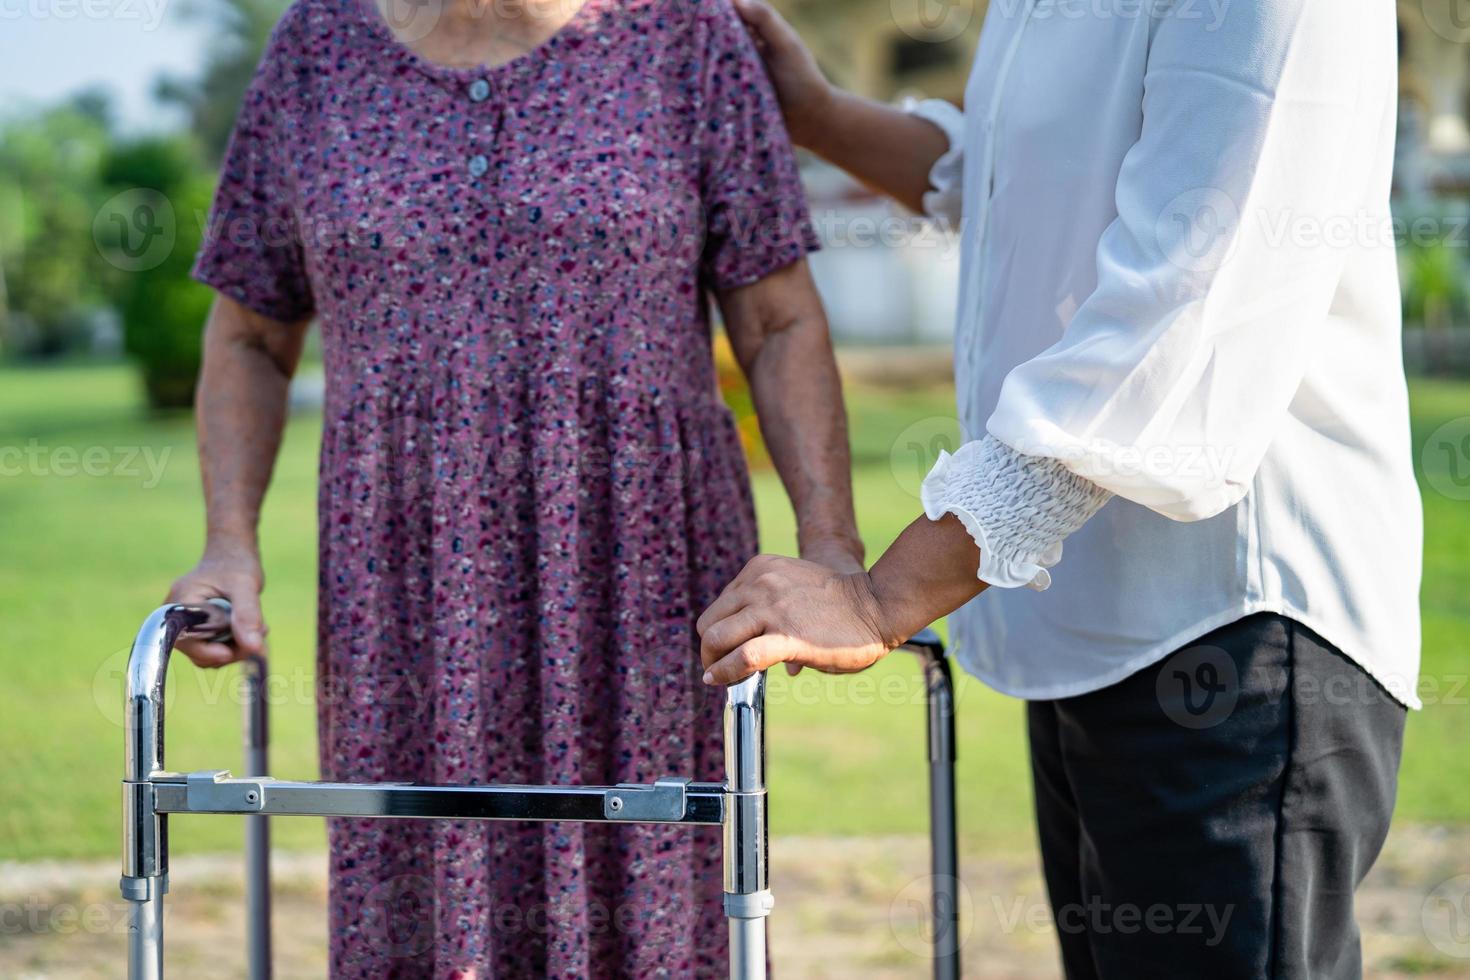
{"points": [[847, 909]]}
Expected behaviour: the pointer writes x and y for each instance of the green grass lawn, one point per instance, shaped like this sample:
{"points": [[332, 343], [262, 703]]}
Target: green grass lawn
{"points": [[84, 557]]}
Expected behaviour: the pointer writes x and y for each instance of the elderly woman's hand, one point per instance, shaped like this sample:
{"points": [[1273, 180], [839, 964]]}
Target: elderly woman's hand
{"points": [[785, 610]]}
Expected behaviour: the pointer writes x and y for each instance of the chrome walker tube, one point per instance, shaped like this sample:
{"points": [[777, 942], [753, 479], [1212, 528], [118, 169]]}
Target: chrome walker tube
{"points": [[748, 899], [944, 854], [145, 830], [739, 805], [257, 828]]}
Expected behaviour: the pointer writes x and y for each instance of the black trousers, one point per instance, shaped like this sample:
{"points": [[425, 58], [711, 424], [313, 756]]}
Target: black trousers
{"points": [[1212, 815]]}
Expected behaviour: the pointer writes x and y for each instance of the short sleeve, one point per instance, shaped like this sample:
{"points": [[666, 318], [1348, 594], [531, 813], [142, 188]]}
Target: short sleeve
{"points": [[252, 246], [756, 213]]}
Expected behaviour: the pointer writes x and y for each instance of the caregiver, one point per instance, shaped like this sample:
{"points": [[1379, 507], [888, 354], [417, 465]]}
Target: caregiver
{"points": [[507, 220], [1178, 344]]}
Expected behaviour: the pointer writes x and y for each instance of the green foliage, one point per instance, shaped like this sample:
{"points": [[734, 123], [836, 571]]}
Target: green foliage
{"points": [[1434, 276], [157, 188], [48, 172], [238, 31]]}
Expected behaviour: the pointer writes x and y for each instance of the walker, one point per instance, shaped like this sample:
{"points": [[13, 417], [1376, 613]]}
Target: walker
{"points": [[151, 793]]}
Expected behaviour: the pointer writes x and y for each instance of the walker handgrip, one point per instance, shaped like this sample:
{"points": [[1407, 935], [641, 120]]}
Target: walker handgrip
{"points": [[212, 624], [927, 644]]}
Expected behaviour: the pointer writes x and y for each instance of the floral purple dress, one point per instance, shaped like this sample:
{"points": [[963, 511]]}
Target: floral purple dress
{"points": [[529, 484]]}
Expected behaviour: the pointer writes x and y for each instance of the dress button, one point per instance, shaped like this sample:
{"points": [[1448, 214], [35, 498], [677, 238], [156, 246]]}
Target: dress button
{"points": [[479, 90], [478, 165]]}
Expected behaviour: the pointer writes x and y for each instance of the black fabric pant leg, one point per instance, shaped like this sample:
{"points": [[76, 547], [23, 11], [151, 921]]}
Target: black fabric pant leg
{"points": [[1219, 809], [1060, 833]]}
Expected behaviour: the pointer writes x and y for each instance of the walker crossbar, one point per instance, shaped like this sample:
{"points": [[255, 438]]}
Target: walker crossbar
{"points": [[151, 793]]}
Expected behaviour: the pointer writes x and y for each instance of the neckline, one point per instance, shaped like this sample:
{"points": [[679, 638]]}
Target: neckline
{"points": [[378, 26]]}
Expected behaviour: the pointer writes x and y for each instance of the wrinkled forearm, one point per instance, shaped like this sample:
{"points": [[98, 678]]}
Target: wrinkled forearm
{"points": [[798, 397], [240, 412], [779, 332]]}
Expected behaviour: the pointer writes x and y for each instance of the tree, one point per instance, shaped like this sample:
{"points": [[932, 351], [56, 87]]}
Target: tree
{"points": [[48, 178], [239, 30], [149, 230]]}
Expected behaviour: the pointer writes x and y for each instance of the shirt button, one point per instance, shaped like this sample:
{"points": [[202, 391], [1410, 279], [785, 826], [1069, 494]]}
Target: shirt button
{"points": [[479, 90], [478, 165]]}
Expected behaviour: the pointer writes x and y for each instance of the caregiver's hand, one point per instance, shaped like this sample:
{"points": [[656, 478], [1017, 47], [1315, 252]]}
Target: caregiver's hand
{"points": [[225, 572], [784, 610], [804, 92], [781, 610], [881, 145]]}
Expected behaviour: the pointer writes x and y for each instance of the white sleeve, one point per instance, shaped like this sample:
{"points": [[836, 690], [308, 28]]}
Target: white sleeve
{"points": [[1174, 375], [946, 177], [1017, 508]]}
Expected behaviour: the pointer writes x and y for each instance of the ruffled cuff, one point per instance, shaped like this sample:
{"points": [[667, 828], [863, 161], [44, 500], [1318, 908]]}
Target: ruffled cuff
{"points": [[946, 183], [1018, 508]]}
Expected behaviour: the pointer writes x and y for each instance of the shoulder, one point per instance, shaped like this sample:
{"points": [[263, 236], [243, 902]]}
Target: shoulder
{"points": [[1256, 43], [311, 41], [692, 26]]}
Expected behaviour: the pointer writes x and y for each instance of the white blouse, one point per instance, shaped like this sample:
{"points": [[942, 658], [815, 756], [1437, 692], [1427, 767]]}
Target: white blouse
{"points": [[1178, 287]]}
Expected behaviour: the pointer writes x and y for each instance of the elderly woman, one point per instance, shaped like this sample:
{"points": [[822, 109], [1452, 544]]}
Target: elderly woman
{"points": [[507, 221]]}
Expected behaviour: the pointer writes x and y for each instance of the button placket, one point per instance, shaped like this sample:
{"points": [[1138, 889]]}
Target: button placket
{"points": [[478, 91]]}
